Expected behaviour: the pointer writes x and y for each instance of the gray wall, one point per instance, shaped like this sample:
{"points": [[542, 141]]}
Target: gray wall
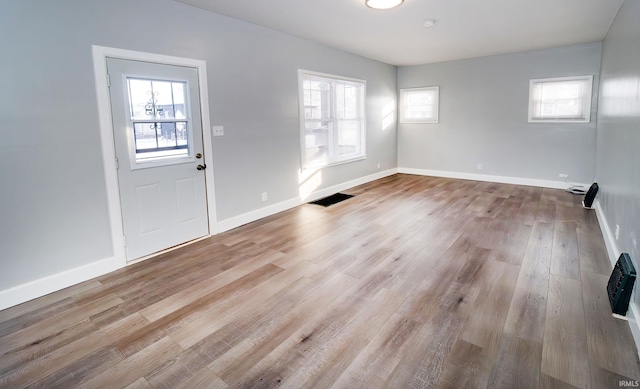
{"points": [[618, 138], [483, 117], [53, 201]]}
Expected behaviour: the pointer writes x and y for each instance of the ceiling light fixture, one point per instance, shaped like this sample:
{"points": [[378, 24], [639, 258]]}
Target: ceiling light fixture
{"points": [[383, 4]]}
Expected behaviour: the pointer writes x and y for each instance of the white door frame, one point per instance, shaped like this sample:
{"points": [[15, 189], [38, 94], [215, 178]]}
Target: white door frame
{"points": [[100, 54]]}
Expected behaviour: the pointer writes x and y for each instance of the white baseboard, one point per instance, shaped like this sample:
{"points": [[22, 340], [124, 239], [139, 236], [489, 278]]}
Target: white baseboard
{"points": [[237, 221], [248, 217], [609, 238], [490, 178], [633, 324], [347, 185], [633, 314], [43, 286]]}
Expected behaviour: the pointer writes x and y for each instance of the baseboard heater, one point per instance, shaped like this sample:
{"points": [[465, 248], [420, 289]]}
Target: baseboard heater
{"points": [[620, 285], [590, 196]]}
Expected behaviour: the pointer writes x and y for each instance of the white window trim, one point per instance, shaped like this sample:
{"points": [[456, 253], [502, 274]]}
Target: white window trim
{"points": [[587, 113], [301, 119], [434, 120]]}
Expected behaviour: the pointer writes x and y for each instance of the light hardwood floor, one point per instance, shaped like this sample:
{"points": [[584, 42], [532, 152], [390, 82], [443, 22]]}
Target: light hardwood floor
{"points": [[415, 282]]}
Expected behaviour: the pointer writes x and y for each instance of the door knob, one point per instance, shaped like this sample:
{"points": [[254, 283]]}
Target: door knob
{"points": [[198, 155], [201, 167]]}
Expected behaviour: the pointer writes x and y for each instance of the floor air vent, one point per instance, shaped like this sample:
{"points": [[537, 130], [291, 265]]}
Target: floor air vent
{"points": [[333, 199], [621, 284]]}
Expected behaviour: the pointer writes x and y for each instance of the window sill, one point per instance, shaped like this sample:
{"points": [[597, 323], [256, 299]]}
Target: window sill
{"points": [[407, 121], [576, 121], [335, 163]]}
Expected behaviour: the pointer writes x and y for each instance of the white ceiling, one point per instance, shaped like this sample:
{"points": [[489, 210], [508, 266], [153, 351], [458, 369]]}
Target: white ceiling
{"points": [[464, 28]]}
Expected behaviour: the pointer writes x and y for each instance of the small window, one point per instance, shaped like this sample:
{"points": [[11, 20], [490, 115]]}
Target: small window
{"points": [[158, 111], [560, 100], [419, 105], [332, 119]]}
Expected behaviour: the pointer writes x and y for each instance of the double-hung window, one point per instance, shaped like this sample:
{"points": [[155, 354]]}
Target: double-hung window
{"points": [[160, 118], [560, 100], [332, 119], [419, 105]]}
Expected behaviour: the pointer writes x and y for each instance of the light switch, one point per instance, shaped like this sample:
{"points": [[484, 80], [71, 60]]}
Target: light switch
{"points": [[218, 130]]}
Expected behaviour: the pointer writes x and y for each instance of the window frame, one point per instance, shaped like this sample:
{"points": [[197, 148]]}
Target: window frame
{"points": [[588, 96], [335, 159], [403, 106], [136, 163]]}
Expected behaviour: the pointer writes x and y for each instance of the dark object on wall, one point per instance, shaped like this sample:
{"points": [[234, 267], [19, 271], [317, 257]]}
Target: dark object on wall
{"points": [[333, 199], [621, 284], [590, 196]]}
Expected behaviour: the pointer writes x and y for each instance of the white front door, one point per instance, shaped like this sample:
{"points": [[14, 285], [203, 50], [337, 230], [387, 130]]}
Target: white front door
{"points": [[158, 141]]}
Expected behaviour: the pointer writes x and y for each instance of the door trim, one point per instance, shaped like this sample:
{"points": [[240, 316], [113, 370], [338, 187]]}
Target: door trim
{"points": [[100, 55]]}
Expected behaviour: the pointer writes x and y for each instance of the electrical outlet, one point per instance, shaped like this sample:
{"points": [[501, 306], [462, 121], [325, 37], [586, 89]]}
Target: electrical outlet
{"points": [[378, 165], [617, 231], [264, 196], [217, 130], [562, 175], [479, 166]]}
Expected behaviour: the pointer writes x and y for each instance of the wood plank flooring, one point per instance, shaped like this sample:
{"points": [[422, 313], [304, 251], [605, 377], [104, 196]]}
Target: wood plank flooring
{"points": [[416, 282]]}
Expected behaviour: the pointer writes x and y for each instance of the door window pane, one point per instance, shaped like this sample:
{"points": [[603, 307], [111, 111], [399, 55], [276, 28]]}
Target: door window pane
{"points": [[181, 133], [159, 114], [157, 99], [141, 103], [145, 136]]}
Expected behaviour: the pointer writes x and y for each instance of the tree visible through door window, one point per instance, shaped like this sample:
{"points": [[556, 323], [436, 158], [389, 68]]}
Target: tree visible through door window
{"points": [[159, 115], [332, 119]]}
